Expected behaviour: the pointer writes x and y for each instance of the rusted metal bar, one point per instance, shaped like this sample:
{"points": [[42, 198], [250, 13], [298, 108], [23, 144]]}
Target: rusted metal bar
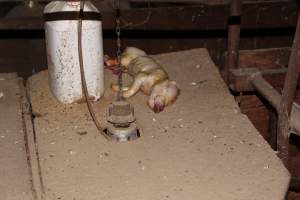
{"points": [[274, 98], [234, 30], [288, 94], [240, 78], [266, 90]]}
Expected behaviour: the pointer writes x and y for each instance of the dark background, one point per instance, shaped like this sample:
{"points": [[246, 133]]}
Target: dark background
{"points": [[170, 27]]}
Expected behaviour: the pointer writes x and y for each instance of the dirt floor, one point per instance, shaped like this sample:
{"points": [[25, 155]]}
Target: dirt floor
{"points": [[200, 147]]}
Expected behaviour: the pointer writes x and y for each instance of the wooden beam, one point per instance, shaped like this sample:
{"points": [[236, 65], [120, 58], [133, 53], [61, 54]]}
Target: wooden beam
{"points": [[288, 95], [265, 58], [271, 63], [264, 15], [209, 2], [272, 128]]}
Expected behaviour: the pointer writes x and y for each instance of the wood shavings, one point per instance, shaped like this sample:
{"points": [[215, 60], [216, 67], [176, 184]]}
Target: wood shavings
{"points": [[194, 83], [72, 152], [266, 167]]}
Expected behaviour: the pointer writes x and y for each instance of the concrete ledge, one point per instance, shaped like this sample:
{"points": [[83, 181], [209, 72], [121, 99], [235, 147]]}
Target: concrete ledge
{"points": [[15, 174], [201, 147]]}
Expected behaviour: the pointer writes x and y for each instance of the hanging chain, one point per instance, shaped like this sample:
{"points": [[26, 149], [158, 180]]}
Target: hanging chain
{"points": [[118, 29], [119, 47]]}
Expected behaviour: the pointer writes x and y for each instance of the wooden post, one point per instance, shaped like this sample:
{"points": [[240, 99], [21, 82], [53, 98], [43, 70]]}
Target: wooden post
{"points": [[289, 90], [234, 27], [272, 139]]}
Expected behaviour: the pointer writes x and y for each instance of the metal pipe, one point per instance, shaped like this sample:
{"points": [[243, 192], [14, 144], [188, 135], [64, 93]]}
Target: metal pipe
{"points": [[288, 94], [271, 95], [234, 29], [266, 90]]}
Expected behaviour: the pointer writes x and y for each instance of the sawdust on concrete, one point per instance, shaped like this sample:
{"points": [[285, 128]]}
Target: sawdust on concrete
{"points": [[201, 147], [15, 179]]}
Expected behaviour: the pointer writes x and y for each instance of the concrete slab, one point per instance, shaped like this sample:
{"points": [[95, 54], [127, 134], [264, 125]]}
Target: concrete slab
{"points": [[15, 176], [201, 147]]}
